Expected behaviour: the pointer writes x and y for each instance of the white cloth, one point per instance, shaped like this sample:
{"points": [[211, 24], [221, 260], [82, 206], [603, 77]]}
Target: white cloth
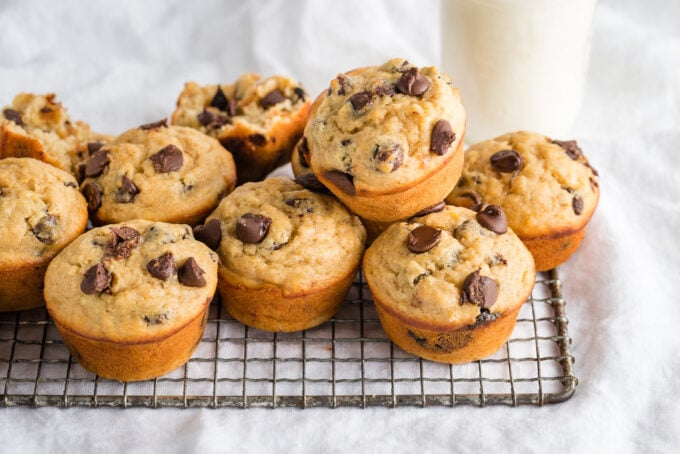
{"points": [[118, 64]]}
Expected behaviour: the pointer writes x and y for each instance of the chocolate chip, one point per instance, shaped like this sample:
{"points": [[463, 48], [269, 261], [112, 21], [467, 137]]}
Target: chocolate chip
{"points": [[303, 151], [93, 194], [212, 119], [389, 157], [162, 267], [432, 209], [127, 191], [506, 161], [344, 83], [479, 290], [68, 184], [493, 218], [577, 204], [46, 110], [156, 319], [257, 139], [475, 199], [220, 100], [272, 98], [412, 83], [2, 192], [97, 279], [423, 238], [341, 180], [345, 142], [311, 182], [168, 159], [303, 203], [209, 233], [93, 146], [570, 147], [300, 93], [252, 228], [14, 116], [190, 274], [124, 240], [593, 183], [155, 125], [485, 317], [44, 229], [442, 137], [97, 163], [385, 90], [361, 100]]}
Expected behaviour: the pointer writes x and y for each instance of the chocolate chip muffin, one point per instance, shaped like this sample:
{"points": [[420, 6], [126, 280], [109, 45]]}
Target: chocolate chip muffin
{"points": [[41, 211], [287, 255], [257, 120], [157, 172], [131, 300], [37, 126], [546, 187], [448, 286], [387, 140]]}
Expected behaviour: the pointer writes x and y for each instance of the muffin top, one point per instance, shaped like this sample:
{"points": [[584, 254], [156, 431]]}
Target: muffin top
{"points": [[131, 282], [147, 167], [41, 211], [276, 232], [381, 128], [61, 140], [450, 268], [544, 186], [251, 100]]}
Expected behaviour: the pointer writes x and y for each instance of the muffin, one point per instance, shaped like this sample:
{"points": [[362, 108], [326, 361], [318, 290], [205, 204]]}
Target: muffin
{"points": [[387, 140], [546, 187], [145, 168], [37, 126], [287, 255], [131, 300], [41, 211], [257, 120], [448, 286]]}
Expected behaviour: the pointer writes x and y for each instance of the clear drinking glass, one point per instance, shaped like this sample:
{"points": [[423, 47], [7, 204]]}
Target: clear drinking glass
{"points": [[519, 64]]}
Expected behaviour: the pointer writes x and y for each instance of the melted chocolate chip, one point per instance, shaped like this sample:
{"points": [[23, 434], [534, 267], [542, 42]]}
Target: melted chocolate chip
{"points": [[156, 319], [127, 191], [257, 139], [220, 100], [570, 147], [68, 184], [93, 194], [388, 157], [345, 142], [442, 137], [475, 198], [385, 90], [212, 119], [577, 204], [413, 83], [360, 100], [311, 182], [493, 218], [209, 233], [44, 229], [506, 161], [303, 151], [97, 163], [302, 203], [484, 317], [190, 274], [13, 116], [124, 240], [479, 290], [423, 238], [252, 228], [97, 279], [155, 125], [300, 93], [341, 180], [432, 209], [92, 147], [168, 159], [272, 98], [162, 267]]}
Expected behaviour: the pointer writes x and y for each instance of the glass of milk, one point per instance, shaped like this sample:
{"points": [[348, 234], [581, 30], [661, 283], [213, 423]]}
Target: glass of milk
{"points": [[519, 64]]}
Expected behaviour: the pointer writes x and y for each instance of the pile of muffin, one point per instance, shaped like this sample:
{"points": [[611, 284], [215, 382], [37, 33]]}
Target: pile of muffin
{"points": [[181, 209]]}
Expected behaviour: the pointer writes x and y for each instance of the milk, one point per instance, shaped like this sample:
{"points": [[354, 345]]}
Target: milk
{"points": [[519, 64]]}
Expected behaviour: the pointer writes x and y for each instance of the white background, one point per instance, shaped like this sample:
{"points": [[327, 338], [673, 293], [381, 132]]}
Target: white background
{"points": [[118, 64]]}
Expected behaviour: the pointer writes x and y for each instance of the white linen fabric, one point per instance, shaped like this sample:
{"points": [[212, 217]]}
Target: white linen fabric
{"points": [[118, 64]]}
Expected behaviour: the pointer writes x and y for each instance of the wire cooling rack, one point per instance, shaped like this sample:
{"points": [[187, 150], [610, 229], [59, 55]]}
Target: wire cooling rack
{"points": [[346, 362]]}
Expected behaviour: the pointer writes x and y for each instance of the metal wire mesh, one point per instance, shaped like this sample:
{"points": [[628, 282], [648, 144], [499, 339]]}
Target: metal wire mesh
{"points": [[346, 362]]}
